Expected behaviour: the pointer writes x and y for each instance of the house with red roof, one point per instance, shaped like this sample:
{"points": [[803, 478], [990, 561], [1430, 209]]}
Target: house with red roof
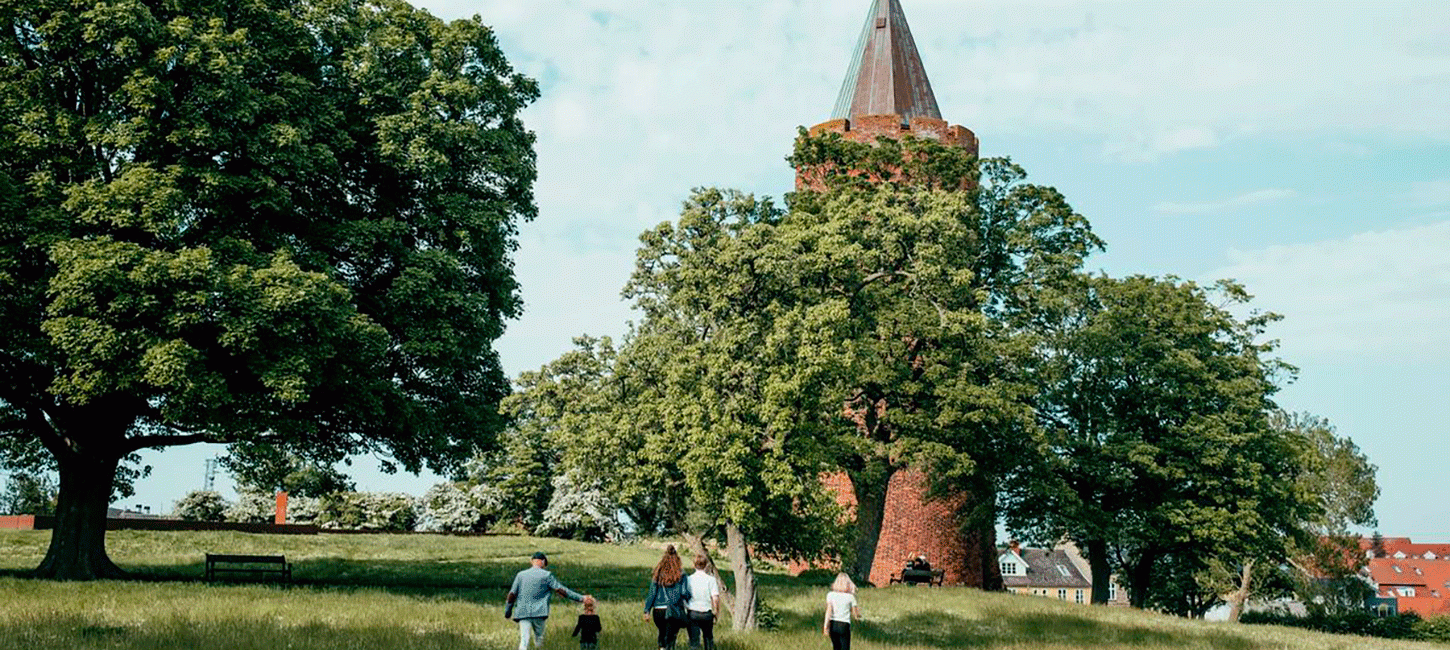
{"points": [[1415, 584]]}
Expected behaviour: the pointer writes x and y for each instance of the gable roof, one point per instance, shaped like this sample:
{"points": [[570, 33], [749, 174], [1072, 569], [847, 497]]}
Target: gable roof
{"points": [[886, 76], [1046, 568]]}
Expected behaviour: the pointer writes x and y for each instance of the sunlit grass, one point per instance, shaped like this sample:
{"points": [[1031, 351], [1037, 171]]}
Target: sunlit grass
{"points": [[366, 592]]}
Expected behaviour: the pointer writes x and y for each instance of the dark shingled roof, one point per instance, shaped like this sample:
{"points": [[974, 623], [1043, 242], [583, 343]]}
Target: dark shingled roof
{"points": [[1047, 568], [886, 76]]}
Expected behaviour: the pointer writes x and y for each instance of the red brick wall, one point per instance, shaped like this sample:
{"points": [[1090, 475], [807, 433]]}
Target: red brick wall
{"points": [[914, 525], [17, 522]]}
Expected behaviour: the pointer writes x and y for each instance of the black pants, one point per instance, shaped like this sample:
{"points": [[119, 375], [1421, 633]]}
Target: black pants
{"points": [[669, 628], [702, 624], [840, 636]]}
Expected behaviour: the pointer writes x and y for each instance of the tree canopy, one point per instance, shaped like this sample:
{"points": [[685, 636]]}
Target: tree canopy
{"points": [[282, 222], [1159, 453]]}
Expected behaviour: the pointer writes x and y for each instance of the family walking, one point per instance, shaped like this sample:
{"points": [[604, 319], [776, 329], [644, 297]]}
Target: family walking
{"points": [[674, 602]]}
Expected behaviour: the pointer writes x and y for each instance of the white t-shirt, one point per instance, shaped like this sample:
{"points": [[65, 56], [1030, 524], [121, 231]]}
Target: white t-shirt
{"points": [[703, 587], [841, 604]]}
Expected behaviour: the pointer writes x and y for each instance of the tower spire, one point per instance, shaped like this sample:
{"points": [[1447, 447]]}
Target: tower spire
{"points": [[886, 76]]}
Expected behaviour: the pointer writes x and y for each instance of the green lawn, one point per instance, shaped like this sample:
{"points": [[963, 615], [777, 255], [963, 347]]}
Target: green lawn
{"points": [[423, 592]]}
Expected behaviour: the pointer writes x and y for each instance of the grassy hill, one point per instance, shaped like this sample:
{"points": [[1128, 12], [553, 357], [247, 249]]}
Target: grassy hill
{"points": [[424, 592]]}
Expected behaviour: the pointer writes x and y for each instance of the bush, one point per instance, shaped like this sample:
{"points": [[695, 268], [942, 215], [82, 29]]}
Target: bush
{"points": [[579, 510], [457, 507], [1400, 626], [201, 505], [1433, 629], [380, 511], [253, 507]]}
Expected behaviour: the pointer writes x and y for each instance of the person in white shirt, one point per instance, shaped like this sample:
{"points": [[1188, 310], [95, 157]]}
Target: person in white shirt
{"points": [[841, 609], [704, 605]]}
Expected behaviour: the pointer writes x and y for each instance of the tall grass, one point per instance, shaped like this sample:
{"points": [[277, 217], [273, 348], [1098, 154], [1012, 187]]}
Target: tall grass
{"points": [[367, 592]]}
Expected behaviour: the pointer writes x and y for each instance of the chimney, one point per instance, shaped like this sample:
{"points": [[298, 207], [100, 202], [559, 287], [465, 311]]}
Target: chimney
{"points": [[1016, 548]]}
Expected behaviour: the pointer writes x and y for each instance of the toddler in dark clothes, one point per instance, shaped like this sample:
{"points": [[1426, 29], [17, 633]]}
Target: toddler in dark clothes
{"points": [[587, 629]]}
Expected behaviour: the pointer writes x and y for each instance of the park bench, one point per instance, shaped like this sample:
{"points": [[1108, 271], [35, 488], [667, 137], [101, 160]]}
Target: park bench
{"points": [[929, 577], [263, 565]]}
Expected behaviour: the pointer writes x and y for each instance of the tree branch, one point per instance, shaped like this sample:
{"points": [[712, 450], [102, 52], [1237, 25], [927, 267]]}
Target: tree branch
{"points": [[145, 442]]}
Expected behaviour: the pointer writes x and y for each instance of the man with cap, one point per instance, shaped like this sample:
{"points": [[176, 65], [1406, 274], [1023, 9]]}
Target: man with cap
{"points": [[528, 600]]}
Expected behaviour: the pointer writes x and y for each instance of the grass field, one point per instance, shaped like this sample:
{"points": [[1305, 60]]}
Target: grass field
{"points": [[423, 592]]}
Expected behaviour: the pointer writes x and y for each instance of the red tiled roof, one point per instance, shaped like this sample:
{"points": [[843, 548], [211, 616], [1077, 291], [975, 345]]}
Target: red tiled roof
{"points": [[1389, 571], [1393, 545], [1425, 607]]}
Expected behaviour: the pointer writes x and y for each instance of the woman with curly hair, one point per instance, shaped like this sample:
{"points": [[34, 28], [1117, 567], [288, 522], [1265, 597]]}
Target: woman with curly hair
{"points": [[668, 593]]}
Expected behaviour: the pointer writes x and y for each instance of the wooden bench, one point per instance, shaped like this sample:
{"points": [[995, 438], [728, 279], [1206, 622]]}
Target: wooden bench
{"points": [[929, 577], [248, 564]]}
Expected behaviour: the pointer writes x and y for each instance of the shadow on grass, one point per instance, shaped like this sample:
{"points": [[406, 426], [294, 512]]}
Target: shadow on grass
{"points": [[479, 582], [1012, 628], [66, 632]]}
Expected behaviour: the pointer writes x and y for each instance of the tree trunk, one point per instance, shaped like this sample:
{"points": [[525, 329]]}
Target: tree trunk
{"points": [[870, 513], [78, 541], [743, 614], [987, 550], [1098, 565], [1237, 599], [1140, 580], [696, 544]]}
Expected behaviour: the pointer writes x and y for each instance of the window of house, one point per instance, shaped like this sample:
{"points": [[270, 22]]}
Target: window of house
{"points": [[1418, 572], [1062, 594], [1063, 570], [1399, 555], [1407, 592], [1397, 569], [1112, 590], [1009, 568], [1430, 555], [1078, 596]]}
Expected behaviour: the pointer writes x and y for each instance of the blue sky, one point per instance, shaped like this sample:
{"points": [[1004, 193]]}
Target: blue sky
{"points": [[1302, 148]]}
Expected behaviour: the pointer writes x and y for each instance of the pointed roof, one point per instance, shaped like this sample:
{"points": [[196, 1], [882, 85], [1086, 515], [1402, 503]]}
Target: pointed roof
{"points": [[886, 76]]}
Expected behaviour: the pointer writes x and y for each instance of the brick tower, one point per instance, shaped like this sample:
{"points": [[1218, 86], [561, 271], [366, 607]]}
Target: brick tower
{"points": [[887, 93]]}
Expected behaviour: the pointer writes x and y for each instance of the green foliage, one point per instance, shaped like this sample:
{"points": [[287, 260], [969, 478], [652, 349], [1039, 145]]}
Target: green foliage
{"points": [[201, 505], [915, 270], [268, 468], [280, 222], [1158, 450], [28, 494], [1407, 625], [368, 511]]}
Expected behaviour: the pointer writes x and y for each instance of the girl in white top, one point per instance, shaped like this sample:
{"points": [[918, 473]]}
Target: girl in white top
{"points": [[841, 609]]}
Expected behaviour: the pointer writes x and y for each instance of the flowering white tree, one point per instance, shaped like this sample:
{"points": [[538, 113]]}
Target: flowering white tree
{"points": [[579, 509]]}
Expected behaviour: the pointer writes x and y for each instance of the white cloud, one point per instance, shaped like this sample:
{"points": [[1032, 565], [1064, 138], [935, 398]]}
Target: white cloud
{"points": [[1431, 194], [1384, 294], [1242, 200], [1148, 148]]}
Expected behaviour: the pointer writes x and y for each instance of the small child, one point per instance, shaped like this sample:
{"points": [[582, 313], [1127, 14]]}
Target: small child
{"points": [[587, 629]]}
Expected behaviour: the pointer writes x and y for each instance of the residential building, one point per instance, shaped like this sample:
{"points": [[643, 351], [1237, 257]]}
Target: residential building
{"points": [[1050, 573]]}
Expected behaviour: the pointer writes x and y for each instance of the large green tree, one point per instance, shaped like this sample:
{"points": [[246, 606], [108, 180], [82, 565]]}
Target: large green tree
{"points": [[1159, 457], [925, 264], [705, 413], [282, 222]]}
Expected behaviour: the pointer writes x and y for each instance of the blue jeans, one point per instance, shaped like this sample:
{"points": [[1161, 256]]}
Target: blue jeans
{"points": [[531, 625]]}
